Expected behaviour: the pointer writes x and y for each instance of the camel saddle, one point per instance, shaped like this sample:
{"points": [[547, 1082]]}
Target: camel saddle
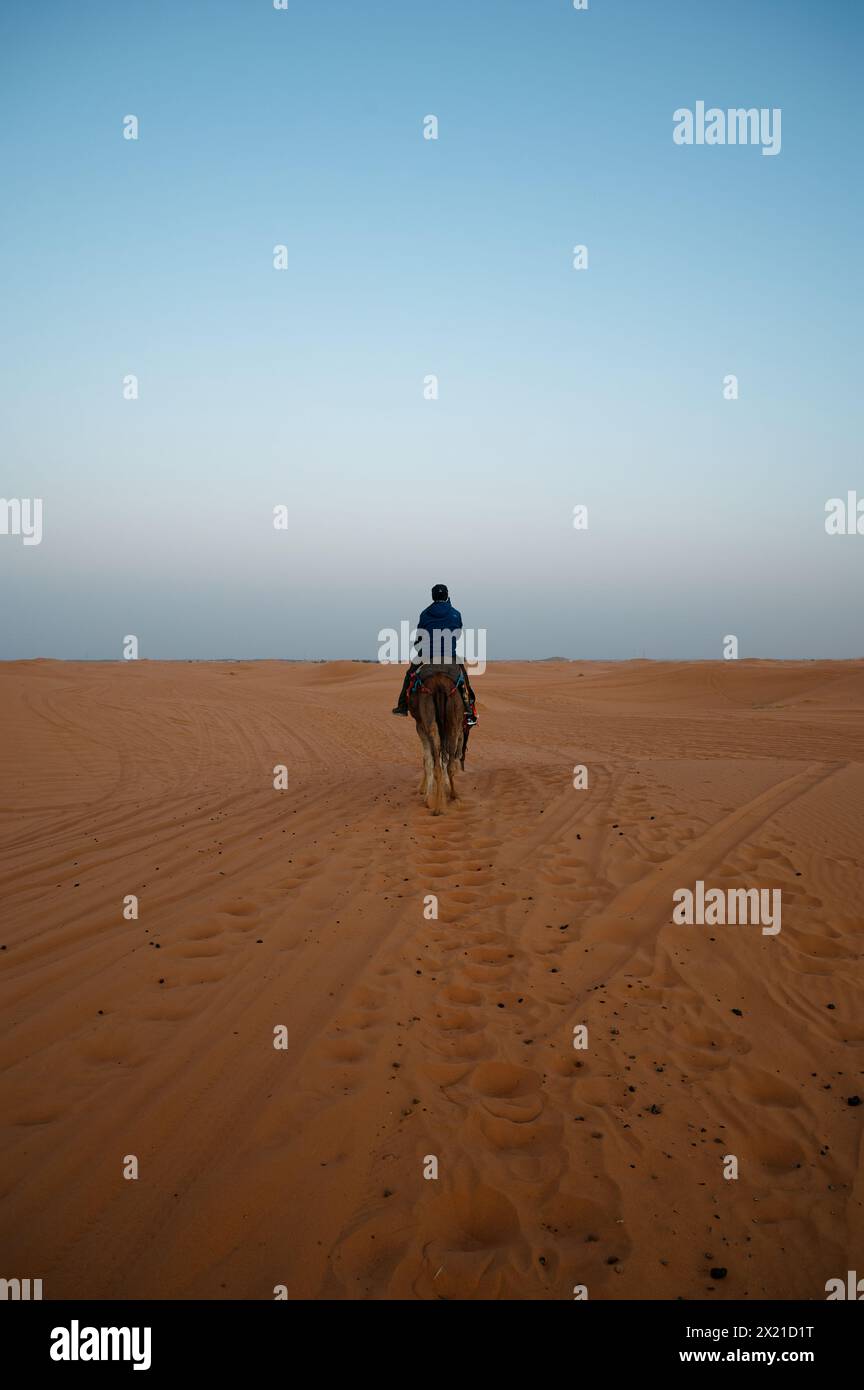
{"points": [[453, 670]]}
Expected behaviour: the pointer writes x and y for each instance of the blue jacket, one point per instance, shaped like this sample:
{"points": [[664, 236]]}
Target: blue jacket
{"points": [[440, 617]]}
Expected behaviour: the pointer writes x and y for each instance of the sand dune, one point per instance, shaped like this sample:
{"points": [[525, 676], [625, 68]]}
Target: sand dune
{"points": [[412, 1037]]}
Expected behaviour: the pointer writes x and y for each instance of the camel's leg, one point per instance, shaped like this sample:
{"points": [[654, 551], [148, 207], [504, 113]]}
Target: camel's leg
{"points": [[454, 750], [424, 771], [437, 799], [428, 770], [451, 773], [427, 779], [439, 795]]}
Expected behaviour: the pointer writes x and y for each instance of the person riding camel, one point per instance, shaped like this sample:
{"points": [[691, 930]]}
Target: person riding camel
{"points": [[440, 617]]}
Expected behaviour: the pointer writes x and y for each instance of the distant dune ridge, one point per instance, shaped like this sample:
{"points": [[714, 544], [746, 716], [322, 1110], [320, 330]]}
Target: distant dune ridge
{"points": [[411, 1035]]}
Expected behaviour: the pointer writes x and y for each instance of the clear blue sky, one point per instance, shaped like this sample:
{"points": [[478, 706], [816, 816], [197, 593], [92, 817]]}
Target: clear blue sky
{"points": [[406, 257]]}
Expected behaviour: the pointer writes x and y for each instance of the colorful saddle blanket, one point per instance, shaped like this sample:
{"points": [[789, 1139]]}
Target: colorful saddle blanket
{"points": [[420, 673]]}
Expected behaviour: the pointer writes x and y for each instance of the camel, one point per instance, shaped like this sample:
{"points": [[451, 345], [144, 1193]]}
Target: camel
{"points": [[437, 709]]}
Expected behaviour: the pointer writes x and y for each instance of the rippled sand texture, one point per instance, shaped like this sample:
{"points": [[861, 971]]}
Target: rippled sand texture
{"points": [[411, 1037]]}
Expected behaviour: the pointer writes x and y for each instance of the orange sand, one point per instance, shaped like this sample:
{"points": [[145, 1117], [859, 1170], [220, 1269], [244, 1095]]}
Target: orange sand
{"points": [[410, 1037]]}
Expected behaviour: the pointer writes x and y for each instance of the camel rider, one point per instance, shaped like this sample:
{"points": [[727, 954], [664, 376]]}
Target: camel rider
{"points": [[439, 617]]}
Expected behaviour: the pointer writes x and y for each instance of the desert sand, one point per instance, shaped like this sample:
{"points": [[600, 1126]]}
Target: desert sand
{"points": [[411, 1038]]}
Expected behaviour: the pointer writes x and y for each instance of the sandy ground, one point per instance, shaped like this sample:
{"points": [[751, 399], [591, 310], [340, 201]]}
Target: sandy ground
{"points": [[412, 1038]]}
